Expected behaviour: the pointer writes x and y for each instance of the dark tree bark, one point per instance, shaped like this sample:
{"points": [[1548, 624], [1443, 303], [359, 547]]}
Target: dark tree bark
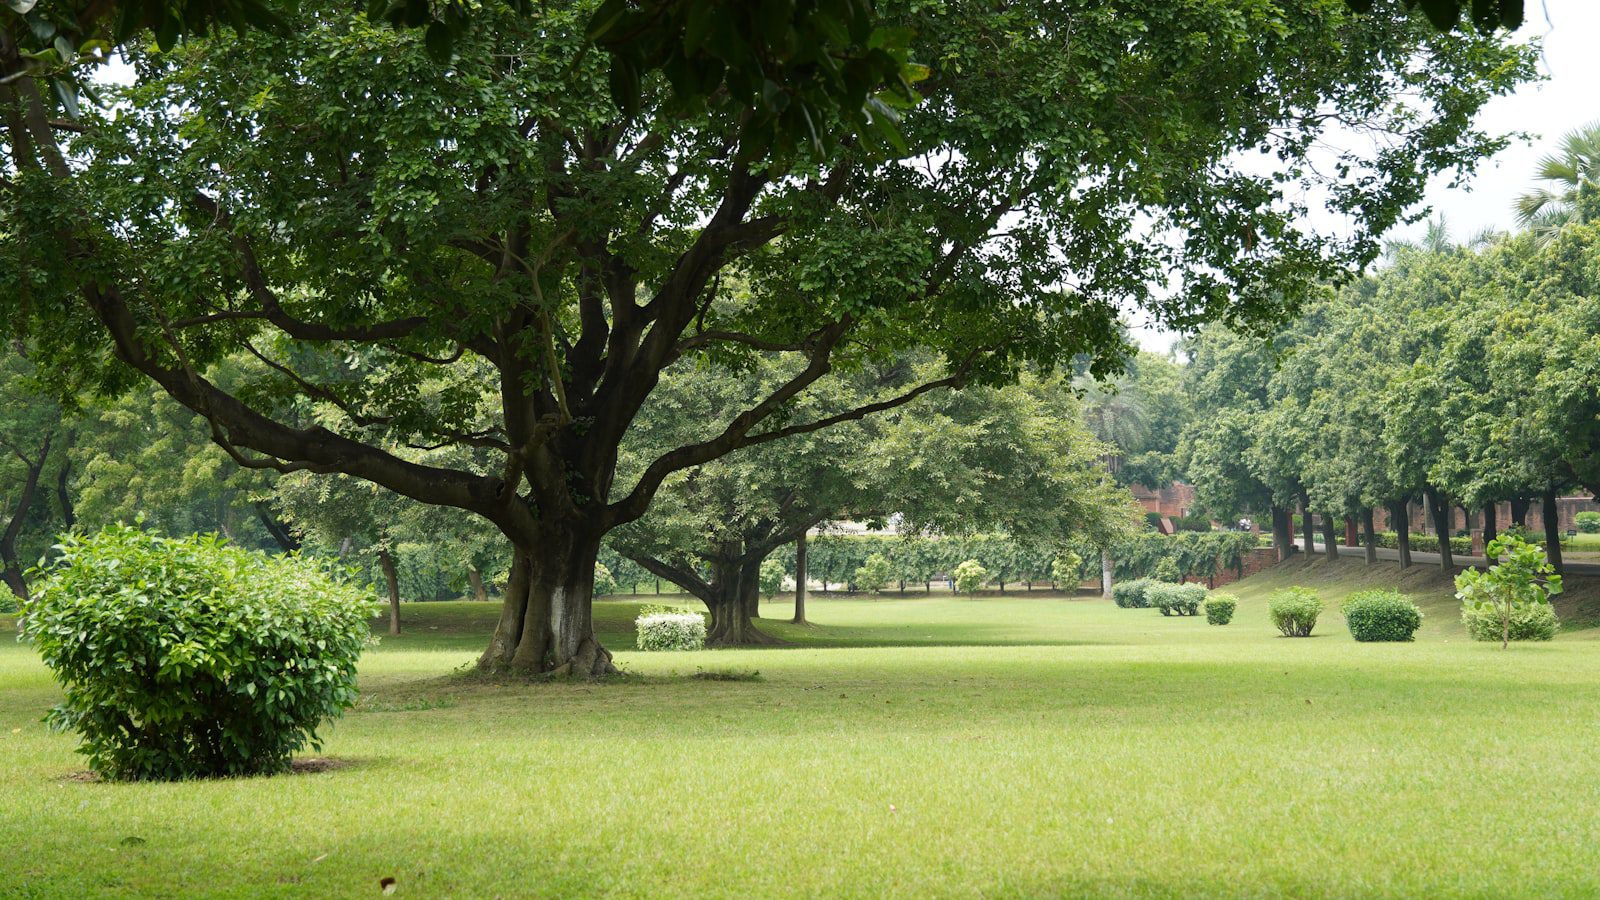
{"points": [[1369, 536], [475, 579], [69, 514], [1490, 532], [733, 592], [1441, 525], [1552, 530], [391, 580], [1308, 525], [282, 536], [1401, 513], [19, 516], [1519, 511], [1330, 538], [800, 581], [1282, 532], [546, 624]]}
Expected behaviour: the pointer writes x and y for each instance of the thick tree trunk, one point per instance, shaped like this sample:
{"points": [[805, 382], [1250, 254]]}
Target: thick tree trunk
{"points": [[1308, 525], [1441, 524], [1490, 531], [1330, 538], [1106, 569], [1401, 513], [1552, 530], [546, 625], [475, 579], [735, 588], [1519, 511], [392, 580], [1369, 535], [1282, 532], [800, 576]]}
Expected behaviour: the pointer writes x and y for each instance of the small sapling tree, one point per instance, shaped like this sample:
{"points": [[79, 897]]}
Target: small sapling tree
{"points": [[1522, 578]]}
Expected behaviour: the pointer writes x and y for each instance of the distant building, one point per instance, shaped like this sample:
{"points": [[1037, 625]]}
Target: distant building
{"points": [[1173, 500]]}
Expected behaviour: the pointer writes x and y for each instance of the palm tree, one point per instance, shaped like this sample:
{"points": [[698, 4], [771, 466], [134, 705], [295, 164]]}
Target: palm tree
{"points": [[1574, 192]]}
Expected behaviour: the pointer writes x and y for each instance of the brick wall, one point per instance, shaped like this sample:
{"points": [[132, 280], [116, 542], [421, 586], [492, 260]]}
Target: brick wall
{"points": [[1253, 562]]}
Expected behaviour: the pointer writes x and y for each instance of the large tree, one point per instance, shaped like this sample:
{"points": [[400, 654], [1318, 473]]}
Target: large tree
{"points": [[364, 221]]}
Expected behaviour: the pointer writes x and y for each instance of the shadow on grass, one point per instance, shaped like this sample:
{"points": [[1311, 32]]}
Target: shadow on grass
{"points": [[304, 765]]}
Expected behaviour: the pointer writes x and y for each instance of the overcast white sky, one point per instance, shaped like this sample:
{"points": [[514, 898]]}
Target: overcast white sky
{"points": [[1569, 97]]}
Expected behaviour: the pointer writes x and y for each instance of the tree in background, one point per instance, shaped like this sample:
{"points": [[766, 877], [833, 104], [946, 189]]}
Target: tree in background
{"points": [[34, 438], [954, 463], [1573, 197], [1474, 372]]}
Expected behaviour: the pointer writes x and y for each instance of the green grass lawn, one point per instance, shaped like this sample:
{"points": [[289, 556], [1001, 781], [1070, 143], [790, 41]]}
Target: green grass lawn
{"points": [[1014, 746]]}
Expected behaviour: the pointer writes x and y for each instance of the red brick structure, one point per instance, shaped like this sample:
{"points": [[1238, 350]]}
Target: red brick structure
{"points": [[1173, 500], [1253, 562]]}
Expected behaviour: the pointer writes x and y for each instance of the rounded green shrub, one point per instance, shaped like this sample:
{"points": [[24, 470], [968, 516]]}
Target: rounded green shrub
{"points": [[605, 583], [1529, 622], [970, 576], [1294, 611], [1131, 594], [1588, 522], [190, 657], [770, 577], [1220, 607], [672, 630], [1176, 599], [1381, 616], [875, 573]]}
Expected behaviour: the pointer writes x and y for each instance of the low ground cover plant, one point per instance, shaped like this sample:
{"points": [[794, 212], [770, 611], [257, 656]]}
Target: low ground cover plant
{"points": [[1381, 616], [1220, 607], [1510, 601], [671, 629], [1294, 611], [1176, 599], [1131, 594], [1588, 522], [190, 657]]}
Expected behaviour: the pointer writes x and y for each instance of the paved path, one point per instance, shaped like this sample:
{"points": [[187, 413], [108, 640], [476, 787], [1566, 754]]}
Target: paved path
{"points": [[1461, 560]]}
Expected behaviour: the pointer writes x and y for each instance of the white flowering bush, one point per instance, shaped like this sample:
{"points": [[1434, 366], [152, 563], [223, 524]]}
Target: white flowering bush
{"points": [[671, 631]]}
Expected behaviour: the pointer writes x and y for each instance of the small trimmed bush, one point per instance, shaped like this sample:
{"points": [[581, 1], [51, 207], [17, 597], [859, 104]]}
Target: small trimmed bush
{"points": [[8, 602], [1422, 543], [1530, 622], [670, 631], [1588, 522], [1294, 611], [1131, 594], [970, 576], [1220, 607], [1176, 599], [1381, 616], [190, 657]]}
